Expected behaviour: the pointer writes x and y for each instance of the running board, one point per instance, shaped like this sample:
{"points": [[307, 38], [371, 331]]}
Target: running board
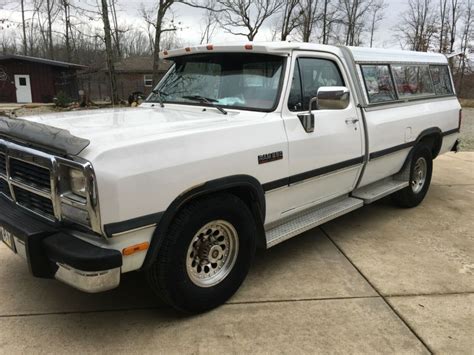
{"points": [[379, 189], [310, 218]]}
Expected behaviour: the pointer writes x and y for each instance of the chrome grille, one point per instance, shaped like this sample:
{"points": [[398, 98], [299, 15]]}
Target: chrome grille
{"points": [[38, 182], [3, 167], [33, 202], [30, 174]]}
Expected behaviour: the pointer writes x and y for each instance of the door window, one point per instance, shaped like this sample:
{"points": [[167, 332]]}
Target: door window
{"points": [[22, 81], [308, 76]]}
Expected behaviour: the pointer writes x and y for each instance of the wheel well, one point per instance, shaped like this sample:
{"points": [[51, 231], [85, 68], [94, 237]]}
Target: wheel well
{"points": [[249, 198], [248, 189], [433, 141]]}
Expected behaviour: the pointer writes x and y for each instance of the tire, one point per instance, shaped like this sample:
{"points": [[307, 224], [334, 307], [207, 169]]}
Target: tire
{"points": [[227, 251], [421, 169]]}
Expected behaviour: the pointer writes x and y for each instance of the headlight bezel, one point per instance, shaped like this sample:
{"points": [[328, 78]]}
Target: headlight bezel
{"points": [[76, 206]]}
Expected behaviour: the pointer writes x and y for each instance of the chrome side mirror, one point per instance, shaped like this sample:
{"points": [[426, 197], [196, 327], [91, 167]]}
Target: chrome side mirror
{"points": [[332, 98]]}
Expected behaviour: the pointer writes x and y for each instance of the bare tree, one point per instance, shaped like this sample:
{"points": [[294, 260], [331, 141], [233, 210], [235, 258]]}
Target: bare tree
{"points": [[353, 14], [109, 51], [23, 27], [418, 25], [309, 15], [443, 18], [49, 14], [376, 15], [160, 27], [245, 17], [290, 18], [466, 38], [209, 26], [455, 15]]}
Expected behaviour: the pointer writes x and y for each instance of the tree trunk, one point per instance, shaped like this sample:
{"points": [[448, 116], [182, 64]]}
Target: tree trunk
{"points": [[109, 51], [156, 50], [50, 29], [23, 27]]}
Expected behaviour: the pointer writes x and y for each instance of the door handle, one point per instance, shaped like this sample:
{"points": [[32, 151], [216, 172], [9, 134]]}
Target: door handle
{"points": [[352, 120]]}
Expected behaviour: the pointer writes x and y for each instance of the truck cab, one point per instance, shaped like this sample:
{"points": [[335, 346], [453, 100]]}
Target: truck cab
{"points": [[239, 146]]}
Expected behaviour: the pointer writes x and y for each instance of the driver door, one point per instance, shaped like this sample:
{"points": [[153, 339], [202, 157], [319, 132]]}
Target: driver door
{"points": [[325, 163]]}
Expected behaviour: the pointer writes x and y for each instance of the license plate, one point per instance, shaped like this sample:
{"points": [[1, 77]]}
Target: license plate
{"points": [[7, 238]]}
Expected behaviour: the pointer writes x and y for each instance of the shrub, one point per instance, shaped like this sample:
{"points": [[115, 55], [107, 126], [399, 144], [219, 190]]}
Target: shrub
{"points": [[62, 99]]}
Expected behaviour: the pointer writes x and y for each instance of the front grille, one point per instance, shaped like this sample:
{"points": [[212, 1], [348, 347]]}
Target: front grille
{"points": [[30, 174], [3, 167], [34, 202], [27, 184], [4, 189]]}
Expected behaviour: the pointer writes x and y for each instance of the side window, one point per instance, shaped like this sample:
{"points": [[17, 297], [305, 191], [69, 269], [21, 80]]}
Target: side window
{"points": [[309, 75], [378, 83], [412, 80], [441, 80]]}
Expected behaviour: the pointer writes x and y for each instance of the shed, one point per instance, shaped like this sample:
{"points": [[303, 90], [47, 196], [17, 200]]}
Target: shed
{"points": [[25, 79], [133, 74]]}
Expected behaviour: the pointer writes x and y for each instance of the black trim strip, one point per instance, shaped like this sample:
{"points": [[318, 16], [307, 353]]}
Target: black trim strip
{"points": [[134, 223], [390, 150], [396, 148], [452, 131], [311, 174]]}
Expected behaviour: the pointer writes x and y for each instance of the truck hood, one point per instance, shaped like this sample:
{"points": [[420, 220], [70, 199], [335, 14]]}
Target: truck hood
{"points": [[110, 128]]}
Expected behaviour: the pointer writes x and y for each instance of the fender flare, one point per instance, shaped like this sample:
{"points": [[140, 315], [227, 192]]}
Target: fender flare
{"points": [[209, 187]]}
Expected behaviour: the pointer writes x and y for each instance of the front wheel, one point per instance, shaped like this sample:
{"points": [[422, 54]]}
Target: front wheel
{"points": [[205, 255], [421, 169]]}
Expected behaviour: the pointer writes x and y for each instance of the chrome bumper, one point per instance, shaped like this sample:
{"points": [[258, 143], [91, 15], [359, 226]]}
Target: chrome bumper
{"points": [[88, 281]]}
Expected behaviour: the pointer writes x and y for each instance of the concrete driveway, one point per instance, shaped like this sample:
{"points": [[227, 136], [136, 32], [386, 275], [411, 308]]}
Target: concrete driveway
{"points": [[379, 280]]}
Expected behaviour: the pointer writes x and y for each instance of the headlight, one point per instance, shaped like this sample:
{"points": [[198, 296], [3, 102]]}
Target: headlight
{"points": [[77, 182]]}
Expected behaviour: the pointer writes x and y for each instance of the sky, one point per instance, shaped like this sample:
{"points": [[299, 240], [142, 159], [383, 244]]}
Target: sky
{"points": [[191, 19]]}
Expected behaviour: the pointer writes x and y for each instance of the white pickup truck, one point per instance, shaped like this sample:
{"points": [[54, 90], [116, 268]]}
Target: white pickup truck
{"points": [[239, 146]]}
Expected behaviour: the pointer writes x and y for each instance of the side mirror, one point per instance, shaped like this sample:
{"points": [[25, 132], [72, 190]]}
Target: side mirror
{"points": [[332, 98]]}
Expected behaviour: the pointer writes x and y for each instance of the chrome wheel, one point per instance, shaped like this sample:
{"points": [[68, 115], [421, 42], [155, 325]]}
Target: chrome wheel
{"points": [[419, 175], [212, 253]]}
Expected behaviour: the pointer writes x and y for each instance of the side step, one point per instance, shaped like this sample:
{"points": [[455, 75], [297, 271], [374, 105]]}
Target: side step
{"points": [[379, 189], [309, 219]]}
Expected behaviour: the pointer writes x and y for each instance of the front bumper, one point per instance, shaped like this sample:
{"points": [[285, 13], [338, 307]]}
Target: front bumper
{"points": [[54, 253]]}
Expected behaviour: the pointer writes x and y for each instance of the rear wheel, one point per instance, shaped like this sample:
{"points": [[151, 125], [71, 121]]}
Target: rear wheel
{"points": [[206, 254], [420, 178]]}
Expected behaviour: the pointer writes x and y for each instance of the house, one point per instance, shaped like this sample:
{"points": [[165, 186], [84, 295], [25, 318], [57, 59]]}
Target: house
{"points": [[26, 79], [133, 74]]}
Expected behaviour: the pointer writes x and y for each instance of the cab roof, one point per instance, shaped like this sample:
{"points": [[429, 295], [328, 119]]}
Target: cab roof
{"points": [[360, 54]]}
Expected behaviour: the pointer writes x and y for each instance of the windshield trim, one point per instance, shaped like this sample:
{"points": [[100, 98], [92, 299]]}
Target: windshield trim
{"points": [[227, 107]]}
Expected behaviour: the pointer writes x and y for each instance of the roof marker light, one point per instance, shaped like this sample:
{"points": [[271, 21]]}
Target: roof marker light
{"points": [[210, 47], [187, 49], [248, 46], [165, 52]]}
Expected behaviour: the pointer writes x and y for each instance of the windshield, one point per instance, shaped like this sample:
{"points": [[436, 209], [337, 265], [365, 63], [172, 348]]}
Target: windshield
{"points": [[234, 80]]}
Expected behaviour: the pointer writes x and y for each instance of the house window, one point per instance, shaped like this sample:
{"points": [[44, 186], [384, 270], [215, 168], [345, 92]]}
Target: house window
{"points": [[148, 80]]}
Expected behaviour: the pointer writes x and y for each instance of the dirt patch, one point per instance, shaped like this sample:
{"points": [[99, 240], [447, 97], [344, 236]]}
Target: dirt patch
{"points": [[467, 130]]}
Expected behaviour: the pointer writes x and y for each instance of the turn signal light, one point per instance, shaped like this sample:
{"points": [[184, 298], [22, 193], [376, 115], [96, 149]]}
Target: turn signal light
{"points": [[135, 248]]}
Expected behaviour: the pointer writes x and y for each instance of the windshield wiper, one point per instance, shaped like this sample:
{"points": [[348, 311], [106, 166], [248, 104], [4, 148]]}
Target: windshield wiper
{"points": [[207, 100], [160, 98]]}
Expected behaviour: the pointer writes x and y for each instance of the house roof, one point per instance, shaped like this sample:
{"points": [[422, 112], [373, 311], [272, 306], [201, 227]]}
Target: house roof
{"points": [[142, 64], [55, 63]]}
